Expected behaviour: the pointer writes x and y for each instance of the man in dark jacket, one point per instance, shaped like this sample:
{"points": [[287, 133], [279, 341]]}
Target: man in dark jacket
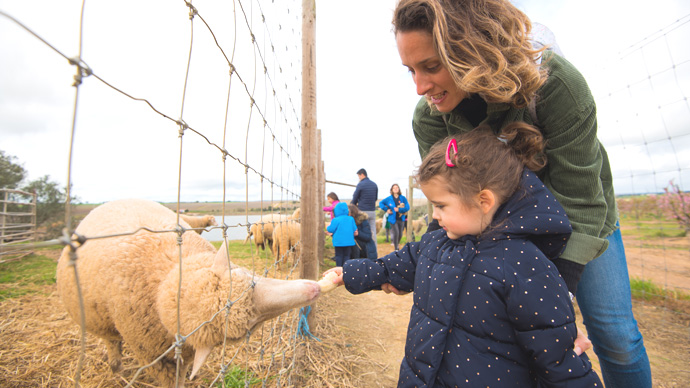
{"points": [[364, 198]]}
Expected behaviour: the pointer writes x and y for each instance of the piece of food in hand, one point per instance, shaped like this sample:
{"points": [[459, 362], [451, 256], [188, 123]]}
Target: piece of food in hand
{"points": [[327, 284]]}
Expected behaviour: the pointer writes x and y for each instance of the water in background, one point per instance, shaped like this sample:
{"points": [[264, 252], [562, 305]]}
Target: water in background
{"points": [[235, 232]]}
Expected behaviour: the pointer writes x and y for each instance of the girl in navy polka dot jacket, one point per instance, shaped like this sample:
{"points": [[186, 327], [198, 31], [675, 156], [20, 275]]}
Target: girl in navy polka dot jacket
{"points": [[490, 309]]}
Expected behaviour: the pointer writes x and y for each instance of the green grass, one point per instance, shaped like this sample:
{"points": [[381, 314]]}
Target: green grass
{"points": [[26, 275], [655, 229], [237, 377], [647, 290]]}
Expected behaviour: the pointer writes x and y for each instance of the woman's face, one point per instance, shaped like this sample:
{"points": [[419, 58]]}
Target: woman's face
{"points": [[416, 49]]}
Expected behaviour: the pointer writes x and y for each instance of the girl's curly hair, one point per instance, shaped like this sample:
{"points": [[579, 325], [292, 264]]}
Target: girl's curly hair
{"points": [[484, 44]]}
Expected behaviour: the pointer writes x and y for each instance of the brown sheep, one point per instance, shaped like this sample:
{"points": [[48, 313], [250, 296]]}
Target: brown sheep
{"points": [[129, 284]]}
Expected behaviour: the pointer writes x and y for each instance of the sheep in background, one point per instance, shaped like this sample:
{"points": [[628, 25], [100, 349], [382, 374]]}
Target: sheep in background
{"points": [[262, 231], [199, 223], [379, 223], [129, 285], [286, 237], [417, 226]]}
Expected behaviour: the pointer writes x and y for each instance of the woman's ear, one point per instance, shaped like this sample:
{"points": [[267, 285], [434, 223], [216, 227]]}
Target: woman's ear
{"points": [[487, 201]]}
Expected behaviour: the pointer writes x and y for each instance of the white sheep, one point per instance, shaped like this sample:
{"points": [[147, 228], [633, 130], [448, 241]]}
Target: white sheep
{"points": [[262, 231], [199, 223], [129, 284]]}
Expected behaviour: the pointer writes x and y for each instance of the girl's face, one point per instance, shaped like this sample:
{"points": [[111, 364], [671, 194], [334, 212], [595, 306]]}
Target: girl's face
{"points": [[456, 218], [395, 189], [330, 200], [416, 49]]}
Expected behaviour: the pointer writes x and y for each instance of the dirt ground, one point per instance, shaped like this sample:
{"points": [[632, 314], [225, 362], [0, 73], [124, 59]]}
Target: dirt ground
{"points": [[369, 328]]}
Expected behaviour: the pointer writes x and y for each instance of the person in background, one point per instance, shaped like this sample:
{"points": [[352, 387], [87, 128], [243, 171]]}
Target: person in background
{"points": [[490, 309], [363, 247], [343, 229], [333, 200], [387, 227], [365, 196], [395, 205], [474, 63]]}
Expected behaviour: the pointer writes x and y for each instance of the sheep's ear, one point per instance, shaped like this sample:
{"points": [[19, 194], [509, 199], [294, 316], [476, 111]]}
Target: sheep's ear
{"points": [[222, 260], [200, 356]]}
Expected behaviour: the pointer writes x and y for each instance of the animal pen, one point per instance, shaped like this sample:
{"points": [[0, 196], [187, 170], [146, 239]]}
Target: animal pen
{"points": [[253, 129], [17, 223], [247, 118]]}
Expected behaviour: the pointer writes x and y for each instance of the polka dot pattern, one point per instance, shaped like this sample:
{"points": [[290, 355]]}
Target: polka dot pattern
{"points": [[489, 310]]}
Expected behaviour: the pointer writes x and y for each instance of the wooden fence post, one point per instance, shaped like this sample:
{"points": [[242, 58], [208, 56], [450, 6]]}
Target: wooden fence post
{"points": [[321, 224], [308, 203]]}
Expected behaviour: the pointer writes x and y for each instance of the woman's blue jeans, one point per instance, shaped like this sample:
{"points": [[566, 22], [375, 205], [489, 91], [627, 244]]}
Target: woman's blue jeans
{"points": [[603, 295]]}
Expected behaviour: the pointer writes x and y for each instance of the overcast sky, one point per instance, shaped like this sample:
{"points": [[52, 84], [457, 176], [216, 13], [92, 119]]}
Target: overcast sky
{"points": [[365, 97]]}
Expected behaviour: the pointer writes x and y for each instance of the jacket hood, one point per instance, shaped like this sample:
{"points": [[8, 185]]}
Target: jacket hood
{"points": [[361, 217], [341, 209], [533, 213]]}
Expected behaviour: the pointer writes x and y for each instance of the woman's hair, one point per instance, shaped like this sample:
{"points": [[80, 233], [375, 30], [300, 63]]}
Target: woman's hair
{"points": [[393, 185], [333, 196], [484, 44], [485, 161]]}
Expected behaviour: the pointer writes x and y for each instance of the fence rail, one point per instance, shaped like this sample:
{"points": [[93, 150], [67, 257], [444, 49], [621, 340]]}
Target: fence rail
{"points": [[17, 223]]}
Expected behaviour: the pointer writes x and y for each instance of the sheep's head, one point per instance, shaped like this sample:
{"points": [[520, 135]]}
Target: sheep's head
{"points": [[211, 220], [247, 301]]}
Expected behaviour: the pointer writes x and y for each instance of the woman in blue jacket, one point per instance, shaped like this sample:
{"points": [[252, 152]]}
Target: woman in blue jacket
{"points": [[395, 205]]}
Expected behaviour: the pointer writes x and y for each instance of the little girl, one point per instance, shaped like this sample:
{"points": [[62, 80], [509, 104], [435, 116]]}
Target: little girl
{"points": [[490, 309], [333, 200]]}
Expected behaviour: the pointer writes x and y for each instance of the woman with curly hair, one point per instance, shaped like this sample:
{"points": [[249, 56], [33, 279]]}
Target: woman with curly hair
{"points": [[474, 63]]}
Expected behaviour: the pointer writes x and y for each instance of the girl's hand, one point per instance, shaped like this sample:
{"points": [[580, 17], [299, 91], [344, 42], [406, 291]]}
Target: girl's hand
{"points": [[388, 288], [331, 279], [389, 211]]}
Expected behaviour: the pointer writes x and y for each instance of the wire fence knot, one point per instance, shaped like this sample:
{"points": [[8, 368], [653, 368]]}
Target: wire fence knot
{"points": [[83, 70], [192, 10], [183, 127], [179, 342]]}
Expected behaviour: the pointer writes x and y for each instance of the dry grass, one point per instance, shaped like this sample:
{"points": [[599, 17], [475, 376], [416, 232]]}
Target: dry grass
{"points": [[41, 347]]}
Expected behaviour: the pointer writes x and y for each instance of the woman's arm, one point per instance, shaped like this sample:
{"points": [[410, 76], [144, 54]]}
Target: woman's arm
{"points": [[406, 205], [578, 171]]}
